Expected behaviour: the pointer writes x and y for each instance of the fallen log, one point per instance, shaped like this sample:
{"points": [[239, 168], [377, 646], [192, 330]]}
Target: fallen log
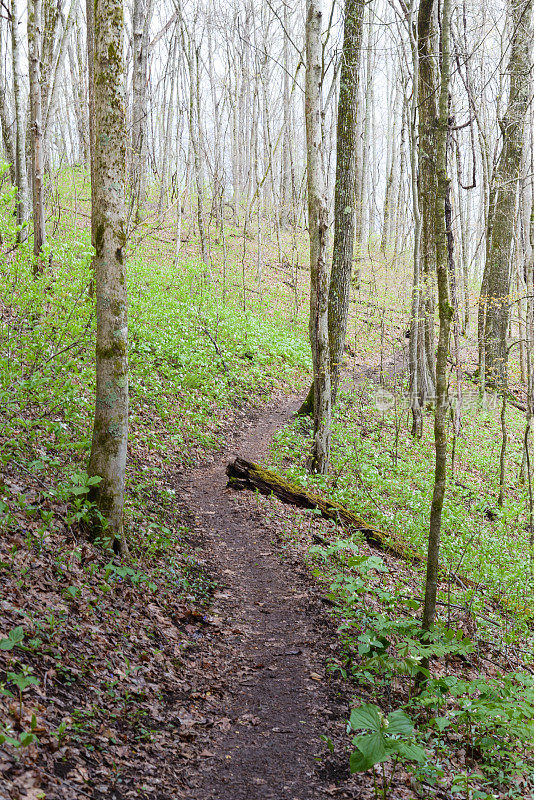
{"points": [[244, 474]]}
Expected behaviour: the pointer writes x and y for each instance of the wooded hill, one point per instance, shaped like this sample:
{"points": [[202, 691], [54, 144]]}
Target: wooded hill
{"points": [[291, 246]]}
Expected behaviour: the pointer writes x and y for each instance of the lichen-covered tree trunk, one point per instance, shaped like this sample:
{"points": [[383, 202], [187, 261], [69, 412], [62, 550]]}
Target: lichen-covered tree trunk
{"points": [[34, 58], [345, 200], [318, 226], [110, 432], [494, 307], [445, 317], [345, 190], [21, 176]]}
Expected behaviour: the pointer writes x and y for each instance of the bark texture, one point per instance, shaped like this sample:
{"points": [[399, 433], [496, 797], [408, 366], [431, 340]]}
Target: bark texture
{"points": [[110, 432], [142, 13], [445, 317], [90, 11], [6, 117], [494, 308], [318, 226], [422, 325], [345, 190], [21, 175], [34, 57]]}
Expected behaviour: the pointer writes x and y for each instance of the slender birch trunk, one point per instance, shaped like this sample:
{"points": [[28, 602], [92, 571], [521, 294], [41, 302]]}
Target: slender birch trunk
{"points": [[142, 13], [6, 117], [90, 11]]}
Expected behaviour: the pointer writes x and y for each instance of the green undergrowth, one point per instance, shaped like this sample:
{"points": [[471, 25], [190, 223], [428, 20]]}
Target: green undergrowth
{"points": [[199, 353], [475, 717], [386, 477], [110, 640]]}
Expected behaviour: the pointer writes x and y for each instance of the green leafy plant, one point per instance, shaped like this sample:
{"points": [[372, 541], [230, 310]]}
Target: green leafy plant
{"points": [[14, 637], [61, 731], [463, 783], [24, 739], [22, 681], [385, 738]]}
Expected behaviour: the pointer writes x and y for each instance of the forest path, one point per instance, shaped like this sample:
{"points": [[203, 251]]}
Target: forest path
{"points": [[275, 642]]}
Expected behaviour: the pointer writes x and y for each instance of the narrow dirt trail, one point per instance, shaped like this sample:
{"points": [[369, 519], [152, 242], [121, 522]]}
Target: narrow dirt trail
{"points": [[275, 701]]}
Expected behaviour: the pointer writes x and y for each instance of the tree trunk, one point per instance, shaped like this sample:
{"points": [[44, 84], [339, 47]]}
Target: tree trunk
{"points": [[418, 386], [318, 227], [56, 66], [78, 91], [366, 161], [90, 11], [427, 91], [20, 147], [167, 136], [6, 118], [445, 317], [494, 308], [34, 58], [194, 135], [287, 194], [345, 190], [110, 432], [142, 12]]}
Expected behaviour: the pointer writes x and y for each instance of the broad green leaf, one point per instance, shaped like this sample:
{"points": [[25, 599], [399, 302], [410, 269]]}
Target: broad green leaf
{"points": [[411, 752], [358, 762], [14, 637], [399, 723], [366, 718], [5, 739], [26, 739], [370, 750], [17, 634]]}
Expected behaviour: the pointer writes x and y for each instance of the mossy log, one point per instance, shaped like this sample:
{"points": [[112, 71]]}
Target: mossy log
{"points": [[248, 475]]}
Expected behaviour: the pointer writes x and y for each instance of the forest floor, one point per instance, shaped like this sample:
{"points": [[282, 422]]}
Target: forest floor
{"points": [[223, 661], [238, 716]]}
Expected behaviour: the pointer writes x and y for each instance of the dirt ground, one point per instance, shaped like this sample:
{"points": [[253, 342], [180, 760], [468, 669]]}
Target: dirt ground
{"points": [[277, 699]]}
